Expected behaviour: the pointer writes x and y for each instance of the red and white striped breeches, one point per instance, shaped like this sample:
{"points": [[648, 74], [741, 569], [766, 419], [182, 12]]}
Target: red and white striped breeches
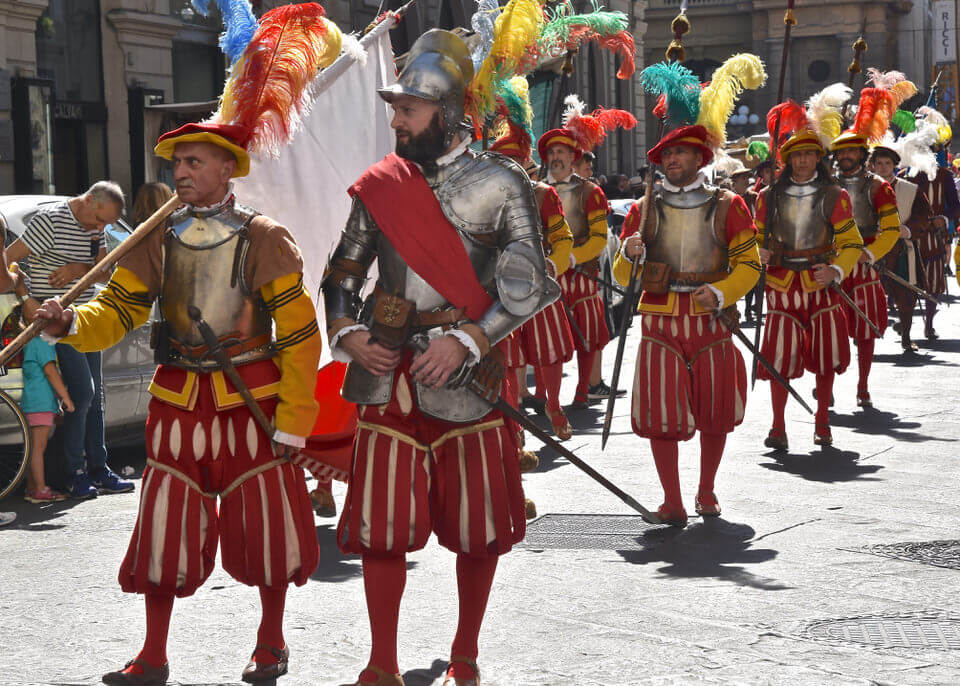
{"points": [[933, 250], [689, 376], [583, 298], [547, 338], [413, 474], [265, 522], [512, 349], [804, 331], [865, 289]]}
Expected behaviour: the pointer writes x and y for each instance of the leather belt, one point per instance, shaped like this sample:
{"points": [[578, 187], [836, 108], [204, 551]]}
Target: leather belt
{"points": [[234, 347], [695, 278], [429, 319], [808, 253]]}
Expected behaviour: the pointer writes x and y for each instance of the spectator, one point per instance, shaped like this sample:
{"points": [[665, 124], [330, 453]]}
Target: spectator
{"points": [[63, 242], [38, 402], [150, 198], [7, 282]]}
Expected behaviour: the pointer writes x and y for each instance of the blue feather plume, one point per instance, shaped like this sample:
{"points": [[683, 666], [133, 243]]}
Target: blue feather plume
{"points": [[239, 24], [679, 86]]}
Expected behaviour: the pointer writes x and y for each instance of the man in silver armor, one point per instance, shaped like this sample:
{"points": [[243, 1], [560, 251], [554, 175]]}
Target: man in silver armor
{"points": [[875, 212], [813, 242], [243, 272], [457, 243], [699, 254]]}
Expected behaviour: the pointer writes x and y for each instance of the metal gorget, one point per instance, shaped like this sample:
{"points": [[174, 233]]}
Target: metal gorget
{"points": [[205, 252]]}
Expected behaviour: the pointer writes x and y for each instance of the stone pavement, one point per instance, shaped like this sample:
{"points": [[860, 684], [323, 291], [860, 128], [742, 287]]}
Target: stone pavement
{"points": [[781, 589]]}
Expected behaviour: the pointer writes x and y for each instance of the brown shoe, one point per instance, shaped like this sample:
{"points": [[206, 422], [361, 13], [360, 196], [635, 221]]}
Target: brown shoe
{"points": [[452, 681], [256, 672], [531, 509], [152, 676], [528, 461], [707, 505], [561, 427], [323, 503], [672, 517], [383, 679], [821, 435], [777, 440]]}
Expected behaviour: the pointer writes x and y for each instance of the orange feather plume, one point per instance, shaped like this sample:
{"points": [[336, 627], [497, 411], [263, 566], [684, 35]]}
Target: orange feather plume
{"points": [[590, 130], [874, 114], [793, 118], [267, 92]]}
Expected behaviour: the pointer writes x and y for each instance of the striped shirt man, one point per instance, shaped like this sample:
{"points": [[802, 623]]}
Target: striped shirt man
{"points": [[55, 238]]}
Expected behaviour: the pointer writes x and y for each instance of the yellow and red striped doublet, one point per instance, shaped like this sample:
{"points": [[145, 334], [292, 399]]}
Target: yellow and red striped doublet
{"points": [[806, 327], [689, 374]]}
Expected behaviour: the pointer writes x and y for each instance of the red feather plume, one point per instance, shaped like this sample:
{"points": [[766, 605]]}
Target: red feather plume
{"points": [[267, 91], [793, 118]]}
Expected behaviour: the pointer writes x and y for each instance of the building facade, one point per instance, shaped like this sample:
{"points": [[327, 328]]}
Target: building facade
{"points": [[86, 85], [898, 35]]}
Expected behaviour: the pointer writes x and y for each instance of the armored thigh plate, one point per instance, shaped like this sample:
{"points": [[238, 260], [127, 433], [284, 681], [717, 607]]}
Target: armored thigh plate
{"points": [[684, 236], [800, 222]]}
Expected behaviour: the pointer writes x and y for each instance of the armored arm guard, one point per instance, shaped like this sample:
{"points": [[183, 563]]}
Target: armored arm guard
{"points": [[347, 269], [522, 284]]}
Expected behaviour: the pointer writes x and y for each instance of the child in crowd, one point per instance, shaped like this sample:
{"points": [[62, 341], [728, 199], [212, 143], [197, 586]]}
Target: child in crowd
{"points": [[42, 385]]}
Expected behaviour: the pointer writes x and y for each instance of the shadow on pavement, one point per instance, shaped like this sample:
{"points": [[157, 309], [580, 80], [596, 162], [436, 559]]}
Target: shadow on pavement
{"points": [[876, 422], [708, 549], [334, 566], [425, 676], [31, 517], [911, 360], [826, 465], [941, 345]]}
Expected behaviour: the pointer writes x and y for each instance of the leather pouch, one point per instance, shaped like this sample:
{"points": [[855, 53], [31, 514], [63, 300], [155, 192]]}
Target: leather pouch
{"points": [[391, 321], [489, 373], [655, 277], [776, 248]]}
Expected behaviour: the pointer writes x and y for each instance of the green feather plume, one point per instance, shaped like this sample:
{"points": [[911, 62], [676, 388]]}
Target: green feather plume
{"points": [[518, 106], [758, 150], [678, 89], [562, 24], [906, 121]]}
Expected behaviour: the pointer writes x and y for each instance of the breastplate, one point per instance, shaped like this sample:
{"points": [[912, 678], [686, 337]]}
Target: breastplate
{"points": [[684, 235], [571, 196], [799, 220], [203, 266], [864, 213]]}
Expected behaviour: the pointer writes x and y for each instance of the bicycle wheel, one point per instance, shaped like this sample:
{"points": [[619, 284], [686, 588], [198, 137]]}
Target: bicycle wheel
{"points": [[14, 445]]}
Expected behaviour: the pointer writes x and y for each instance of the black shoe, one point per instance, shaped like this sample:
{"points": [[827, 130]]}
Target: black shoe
{"points": [[532, 402], [255, 672], [909, 346], [930, 334], [152, 676], [602, 392]]}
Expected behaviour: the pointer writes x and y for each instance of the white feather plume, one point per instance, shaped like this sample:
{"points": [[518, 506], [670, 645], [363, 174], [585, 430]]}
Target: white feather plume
{"points": [[352, 48], [824, 111], [932, 116], [884, 79], [915, 149], [573, 106]]}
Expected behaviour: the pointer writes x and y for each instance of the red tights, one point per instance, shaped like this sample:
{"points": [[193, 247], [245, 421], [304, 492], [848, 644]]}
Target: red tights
{"points": [[549, 379], [384, 579], [160, 609], [584, 369], [779, 394], [666, 458], [864, 361]]}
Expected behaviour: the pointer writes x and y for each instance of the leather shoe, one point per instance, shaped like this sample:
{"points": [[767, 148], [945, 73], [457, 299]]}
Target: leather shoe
{"points": [[152, 676], [531, 509], [256, 672], [707, 505], [672, 517], [323, 503], [561, 426], [863, 400], [777, 440], [453, 681], [529, 461], [383, 679], [822, 436]]}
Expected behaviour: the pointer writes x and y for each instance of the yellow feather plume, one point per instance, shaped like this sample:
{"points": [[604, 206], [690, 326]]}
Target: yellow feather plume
{"points": [[515, 30], [717, 100], [902, 91]]}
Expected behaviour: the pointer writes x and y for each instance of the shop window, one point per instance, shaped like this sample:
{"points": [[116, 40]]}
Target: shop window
{"points": [[68, 49], [198, 72]]}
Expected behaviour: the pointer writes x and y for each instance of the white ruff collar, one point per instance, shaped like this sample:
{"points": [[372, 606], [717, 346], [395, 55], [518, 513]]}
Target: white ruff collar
{"points": [[696, 183]]}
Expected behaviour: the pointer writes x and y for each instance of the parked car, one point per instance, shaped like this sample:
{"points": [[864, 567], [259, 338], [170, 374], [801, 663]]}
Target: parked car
{"points": [[127, 367]]}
